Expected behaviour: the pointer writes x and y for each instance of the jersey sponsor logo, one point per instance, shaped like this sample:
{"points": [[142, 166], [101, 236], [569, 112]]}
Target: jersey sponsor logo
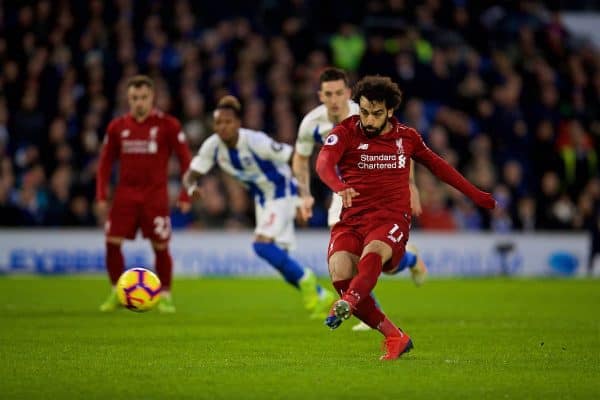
{"points": [[363, 146], [401, 161], [399, 146], [138, 147], [382, 161], [331, 140]]}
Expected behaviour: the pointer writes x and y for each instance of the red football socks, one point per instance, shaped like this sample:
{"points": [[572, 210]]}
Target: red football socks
{"points": [[115, 263], [341, 286], [368, 312], [164, 267], [387, 328], [369, 269]]}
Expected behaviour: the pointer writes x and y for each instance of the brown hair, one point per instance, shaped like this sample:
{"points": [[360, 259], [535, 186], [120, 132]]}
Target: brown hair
{"points": [[378, 88], [333, 74], [138, 81], [230, 103]]}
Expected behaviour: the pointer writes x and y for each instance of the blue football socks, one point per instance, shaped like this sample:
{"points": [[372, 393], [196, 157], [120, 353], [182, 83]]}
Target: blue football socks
{"points": [[280, 260], [408, 261]]}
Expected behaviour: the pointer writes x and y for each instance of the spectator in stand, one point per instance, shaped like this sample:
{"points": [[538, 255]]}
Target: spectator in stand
{"points": [[508, 71]]}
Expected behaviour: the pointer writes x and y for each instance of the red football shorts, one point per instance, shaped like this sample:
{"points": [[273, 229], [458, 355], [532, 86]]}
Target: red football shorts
{"points": [[352, 236], [150, 214]]}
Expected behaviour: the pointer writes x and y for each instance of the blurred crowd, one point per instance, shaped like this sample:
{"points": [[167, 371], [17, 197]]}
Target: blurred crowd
{"points": [[502, 90]]}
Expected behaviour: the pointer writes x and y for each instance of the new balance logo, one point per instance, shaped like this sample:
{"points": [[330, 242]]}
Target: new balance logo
{"points": [[363, 146]]}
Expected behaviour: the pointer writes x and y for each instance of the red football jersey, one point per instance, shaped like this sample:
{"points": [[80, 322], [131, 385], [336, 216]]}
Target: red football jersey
{"points": [[143, 150], [379, 167]]}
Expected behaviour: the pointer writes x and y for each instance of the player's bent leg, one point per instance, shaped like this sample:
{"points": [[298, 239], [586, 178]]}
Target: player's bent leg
{"points": [[418, 269], [164, 270], [341, 269], [375, 254], [361, 326], [313, 295], [326, 299], [316, 299], [414, 263], [396, 342], [115, 265]]}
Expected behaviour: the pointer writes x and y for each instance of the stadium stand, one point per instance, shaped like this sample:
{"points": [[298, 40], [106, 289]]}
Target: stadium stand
{"points": [[506, 93]]}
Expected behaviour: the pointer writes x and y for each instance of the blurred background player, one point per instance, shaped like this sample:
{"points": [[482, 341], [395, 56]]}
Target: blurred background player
{"points": [[142, 141], [334, 94], [366, 160], [261, 164]]}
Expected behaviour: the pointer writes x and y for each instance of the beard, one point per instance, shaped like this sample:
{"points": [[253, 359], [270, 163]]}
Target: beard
{"points": [[141, 112], [373, 131]]}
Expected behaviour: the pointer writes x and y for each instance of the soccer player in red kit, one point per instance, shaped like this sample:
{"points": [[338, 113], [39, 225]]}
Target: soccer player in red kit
{"points": [[142, 141], [366, 160]]}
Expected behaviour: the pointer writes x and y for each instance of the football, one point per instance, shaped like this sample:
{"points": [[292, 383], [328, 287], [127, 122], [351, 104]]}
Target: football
{"points": [[138, 289]]}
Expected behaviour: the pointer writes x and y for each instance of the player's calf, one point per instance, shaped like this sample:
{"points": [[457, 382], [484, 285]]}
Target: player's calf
{"points": [[414, 263], [418, 271]]}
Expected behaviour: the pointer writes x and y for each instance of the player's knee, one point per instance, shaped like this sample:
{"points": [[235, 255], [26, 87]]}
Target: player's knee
{"points": [[263, 239], [114, 240], [158, 246], [371, 262], [341, 266], [380, 248]]}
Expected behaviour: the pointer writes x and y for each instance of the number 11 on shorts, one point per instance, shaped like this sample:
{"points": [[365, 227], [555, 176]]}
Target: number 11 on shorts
{"points": [[392, 232]]}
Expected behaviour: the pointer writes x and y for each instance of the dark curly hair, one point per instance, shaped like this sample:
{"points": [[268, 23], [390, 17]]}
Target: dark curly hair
{"points": [[378, 88]]}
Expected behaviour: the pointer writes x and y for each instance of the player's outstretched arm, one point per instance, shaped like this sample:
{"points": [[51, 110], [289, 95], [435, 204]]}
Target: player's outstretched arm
{"points": [[444, 171], [190, 183], [301, 169], [440, 168]]}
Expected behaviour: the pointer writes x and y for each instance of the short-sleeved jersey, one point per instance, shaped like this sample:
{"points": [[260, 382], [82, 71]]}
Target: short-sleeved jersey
{"points": [[143, 150], [315, 127], [257, 161], [378, 168]]}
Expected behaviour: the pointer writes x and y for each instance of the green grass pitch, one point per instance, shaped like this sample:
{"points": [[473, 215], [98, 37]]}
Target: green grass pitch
{"points": [[250, 339]]}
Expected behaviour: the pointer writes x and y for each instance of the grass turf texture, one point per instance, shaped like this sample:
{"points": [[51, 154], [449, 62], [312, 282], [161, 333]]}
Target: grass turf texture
{"points": [[238, 339]]}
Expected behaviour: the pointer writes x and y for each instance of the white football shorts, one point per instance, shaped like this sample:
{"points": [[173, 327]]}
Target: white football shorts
{"points": [[275, 219]]}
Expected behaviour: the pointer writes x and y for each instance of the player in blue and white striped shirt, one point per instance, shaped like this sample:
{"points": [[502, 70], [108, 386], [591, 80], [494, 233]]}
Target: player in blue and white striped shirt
{"points": [[261, 165]]}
